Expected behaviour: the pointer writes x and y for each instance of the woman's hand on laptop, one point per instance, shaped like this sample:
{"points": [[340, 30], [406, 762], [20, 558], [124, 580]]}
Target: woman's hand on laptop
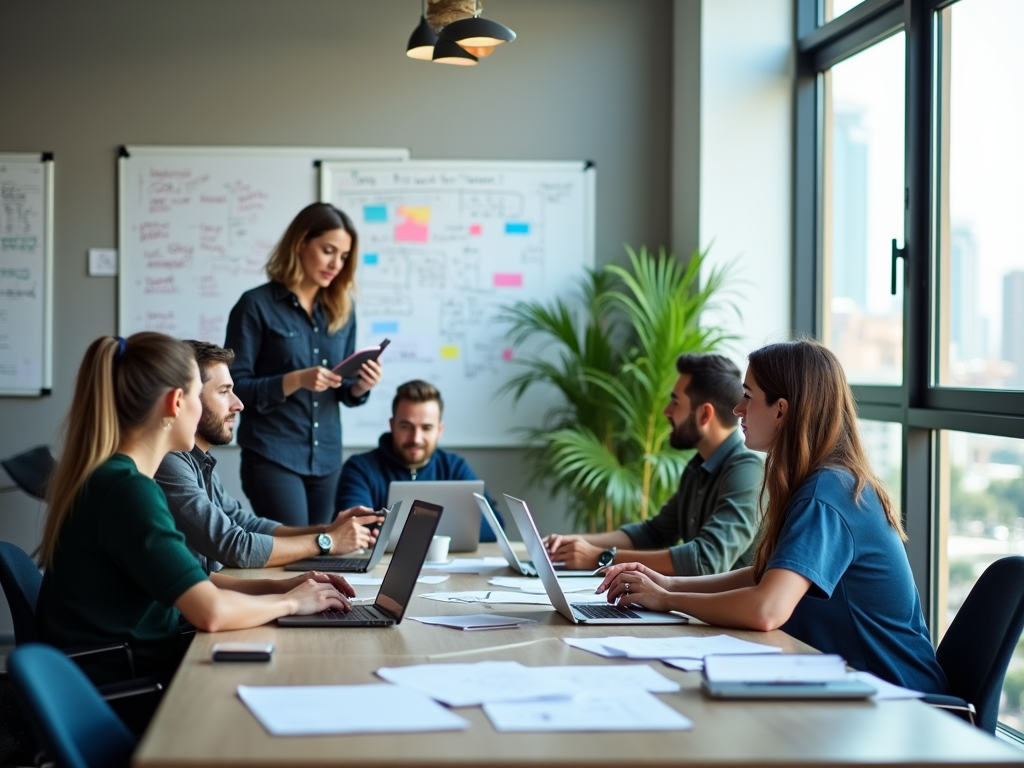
{"points": [[636, 584], [313, 596]]}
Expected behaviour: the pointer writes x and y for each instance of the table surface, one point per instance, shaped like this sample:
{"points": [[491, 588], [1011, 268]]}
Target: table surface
{"points": [[201, 721]]}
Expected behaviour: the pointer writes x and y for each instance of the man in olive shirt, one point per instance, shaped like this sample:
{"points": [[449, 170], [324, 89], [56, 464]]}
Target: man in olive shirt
{"points": [[710, 524]]}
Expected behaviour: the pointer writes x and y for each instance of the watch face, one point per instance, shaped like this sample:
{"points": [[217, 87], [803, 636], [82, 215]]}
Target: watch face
{"points": [[324, 541]]}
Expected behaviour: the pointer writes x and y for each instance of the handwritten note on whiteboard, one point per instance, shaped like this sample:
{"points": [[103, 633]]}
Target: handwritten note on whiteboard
{"points": [[25, 262]]}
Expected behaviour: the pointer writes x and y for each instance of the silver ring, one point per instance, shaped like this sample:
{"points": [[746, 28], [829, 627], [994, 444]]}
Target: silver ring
{"points": [[627, 587]]}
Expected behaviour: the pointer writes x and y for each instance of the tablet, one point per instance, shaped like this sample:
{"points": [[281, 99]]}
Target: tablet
{"points": [[349, 367]]}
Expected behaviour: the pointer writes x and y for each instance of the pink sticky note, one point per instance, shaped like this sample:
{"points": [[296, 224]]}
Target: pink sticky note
{"points": [[508, 280], [506, 355], [476, 229], [411, 232]]}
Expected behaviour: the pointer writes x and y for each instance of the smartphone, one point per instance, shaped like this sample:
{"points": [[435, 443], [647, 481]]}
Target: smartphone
{"points": [[376, 526], [242, 651]]}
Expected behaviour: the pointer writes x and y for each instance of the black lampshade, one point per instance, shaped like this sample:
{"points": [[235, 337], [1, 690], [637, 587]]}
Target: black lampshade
{"points": [[421, 42], [477, 32], [450, 52]]}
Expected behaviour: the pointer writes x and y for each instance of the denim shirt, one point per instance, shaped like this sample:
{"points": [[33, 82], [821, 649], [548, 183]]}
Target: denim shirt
{"points": [[271, 335]]}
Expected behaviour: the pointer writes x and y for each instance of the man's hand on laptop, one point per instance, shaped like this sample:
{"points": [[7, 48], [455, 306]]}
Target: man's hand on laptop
{"points": [[573, 551], [353, 532]]}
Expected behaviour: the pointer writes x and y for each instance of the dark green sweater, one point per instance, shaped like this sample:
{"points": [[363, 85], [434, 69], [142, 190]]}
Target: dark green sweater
{"points": [[119, 566]]}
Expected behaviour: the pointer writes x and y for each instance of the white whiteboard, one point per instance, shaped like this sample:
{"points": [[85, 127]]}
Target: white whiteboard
{"points": [[26, 274], [197, 225], [443, 246]]}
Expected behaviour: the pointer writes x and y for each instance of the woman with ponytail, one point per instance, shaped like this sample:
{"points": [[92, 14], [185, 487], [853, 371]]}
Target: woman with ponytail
{"points": [[116, 567], [830, 568]]}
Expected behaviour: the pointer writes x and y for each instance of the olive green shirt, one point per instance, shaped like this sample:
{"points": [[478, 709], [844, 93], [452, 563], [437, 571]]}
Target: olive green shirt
{"points": [[119, 566], [714, 513]]}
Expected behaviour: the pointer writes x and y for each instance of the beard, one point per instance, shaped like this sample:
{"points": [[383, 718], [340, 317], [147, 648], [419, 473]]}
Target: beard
{"points": [[685, 436], [213, 429]]}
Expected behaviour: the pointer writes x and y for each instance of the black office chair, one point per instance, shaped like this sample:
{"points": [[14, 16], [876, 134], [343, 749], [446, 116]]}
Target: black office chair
{"points": [[30, 471], [976, 649]]}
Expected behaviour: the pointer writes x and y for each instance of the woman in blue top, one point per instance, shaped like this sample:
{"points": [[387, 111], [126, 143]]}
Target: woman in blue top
{"points": [[287, 335], [830, 568]]}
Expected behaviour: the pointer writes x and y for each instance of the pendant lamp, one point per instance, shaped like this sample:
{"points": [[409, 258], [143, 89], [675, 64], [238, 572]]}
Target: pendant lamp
{"points": [[477, 32], [450, 52], [422, 41]]}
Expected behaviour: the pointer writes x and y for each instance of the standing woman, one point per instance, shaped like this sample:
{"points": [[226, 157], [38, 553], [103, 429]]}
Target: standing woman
{"points": [[287, 335], [830, 568], [117, 569]]}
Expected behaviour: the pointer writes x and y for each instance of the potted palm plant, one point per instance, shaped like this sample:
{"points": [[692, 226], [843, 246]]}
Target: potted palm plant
{"points": [[616, 341]]}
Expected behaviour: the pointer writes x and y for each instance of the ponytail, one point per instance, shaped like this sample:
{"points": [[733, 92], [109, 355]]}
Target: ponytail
{"points": [[119, 384]]}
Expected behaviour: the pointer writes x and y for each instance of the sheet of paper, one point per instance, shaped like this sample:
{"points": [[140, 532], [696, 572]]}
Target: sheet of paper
{"points": [[365, 580], [778, 668], [474, 621], [469, 565], [316, 710], [489, 597], [436, 578], [886, 690], [594, 645], [687, 665], [531, 585], [592, 711], [681, 647], [465, 685]]}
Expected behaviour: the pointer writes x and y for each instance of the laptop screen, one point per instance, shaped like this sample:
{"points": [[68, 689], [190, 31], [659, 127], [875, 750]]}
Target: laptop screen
{"points": [[407, 561]]}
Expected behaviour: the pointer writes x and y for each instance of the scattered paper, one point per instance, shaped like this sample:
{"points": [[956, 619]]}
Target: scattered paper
{"points": [[781, 668], [469, 565], [474, 621], [886, 691], [630, 710], [684, 647], [364, 580], [466, 685], [316, 710], [594, 645], [687, 665], [435, 579], [488, 597], [531, 585]]}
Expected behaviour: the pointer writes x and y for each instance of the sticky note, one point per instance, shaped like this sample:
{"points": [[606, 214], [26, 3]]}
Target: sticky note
{"points": [[517, 228], [508, 280], [370, 258], [476, 229], [384, 326], [507, 355], [449, 353], [375, 214]]}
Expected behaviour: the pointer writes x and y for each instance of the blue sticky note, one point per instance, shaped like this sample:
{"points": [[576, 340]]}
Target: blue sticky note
{"points": [[384, 326], [370, 258], [375, 214], [517, 228]]}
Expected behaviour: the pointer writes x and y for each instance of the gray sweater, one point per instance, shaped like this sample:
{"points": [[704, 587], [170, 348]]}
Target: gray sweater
{"points": [[217, 529]]}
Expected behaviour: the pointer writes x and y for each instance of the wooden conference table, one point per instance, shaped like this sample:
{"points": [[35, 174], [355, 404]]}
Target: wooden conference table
{"points": [[202, 722]]}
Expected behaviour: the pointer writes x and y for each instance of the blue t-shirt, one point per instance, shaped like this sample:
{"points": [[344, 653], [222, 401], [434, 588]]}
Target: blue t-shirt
{"points": [[863, 603]]}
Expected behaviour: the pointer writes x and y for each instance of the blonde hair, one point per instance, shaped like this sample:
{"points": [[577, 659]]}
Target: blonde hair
{"points": [[819, 431], [119, 383], [285, 263]]}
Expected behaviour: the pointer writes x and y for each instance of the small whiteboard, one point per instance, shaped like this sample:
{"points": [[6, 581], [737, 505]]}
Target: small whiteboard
{"points": [[197, 225], [444, 245], [26, 274]]}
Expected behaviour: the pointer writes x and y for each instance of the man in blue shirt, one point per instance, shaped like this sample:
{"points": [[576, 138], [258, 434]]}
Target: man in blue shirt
{"points": [[408, 452]]}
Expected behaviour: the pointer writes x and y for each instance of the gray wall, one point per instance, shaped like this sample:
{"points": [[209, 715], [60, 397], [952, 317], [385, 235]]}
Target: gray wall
{"points": [[587, 79]]}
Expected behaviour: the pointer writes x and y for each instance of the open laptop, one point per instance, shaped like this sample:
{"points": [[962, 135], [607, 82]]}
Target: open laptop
{"points": [[525, 567], [347, 564], [461, 514], [577, 613], [399, 581]]}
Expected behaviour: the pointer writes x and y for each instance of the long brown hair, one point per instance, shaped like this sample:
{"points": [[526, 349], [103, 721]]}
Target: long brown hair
{"points": [[819, 431], [119, 383], [285, 263]]}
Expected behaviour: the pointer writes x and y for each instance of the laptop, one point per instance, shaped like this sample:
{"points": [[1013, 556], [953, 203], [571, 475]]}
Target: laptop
{"points": [[577, 613], [399, 581], [524, 567], [346, 564], [461, 514]]}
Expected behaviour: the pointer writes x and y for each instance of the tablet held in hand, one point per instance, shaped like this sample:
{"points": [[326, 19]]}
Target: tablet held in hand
{"points": [[349, 367]]}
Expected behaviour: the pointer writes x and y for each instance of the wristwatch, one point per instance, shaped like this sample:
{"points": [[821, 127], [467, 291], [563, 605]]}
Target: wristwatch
{"points": [[607, 557], [324, 541]]}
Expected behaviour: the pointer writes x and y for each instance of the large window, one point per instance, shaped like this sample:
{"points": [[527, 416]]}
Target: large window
{"points": [[909, 117]]}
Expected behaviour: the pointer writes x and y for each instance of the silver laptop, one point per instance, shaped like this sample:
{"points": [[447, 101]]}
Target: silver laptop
{"points": [[399, 581], [525, 567], [461, 514], [577, 613], [345, 564]]}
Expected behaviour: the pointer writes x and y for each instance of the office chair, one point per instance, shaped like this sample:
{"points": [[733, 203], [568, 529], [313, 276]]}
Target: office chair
{"points": [[30, 471], [976, 649], [75, 726]]}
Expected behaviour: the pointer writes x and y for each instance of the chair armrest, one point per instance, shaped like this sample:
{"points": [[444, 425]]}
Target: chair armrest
{"points": [[954, 705], [83, 651], [128, 688]]}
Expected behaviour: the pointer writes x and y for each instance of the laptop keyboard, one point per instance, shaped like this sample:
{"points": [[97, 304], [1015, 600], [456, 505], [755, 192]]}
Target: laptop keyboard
{"points": [[604, 611], [340, 563], [359, 613]]}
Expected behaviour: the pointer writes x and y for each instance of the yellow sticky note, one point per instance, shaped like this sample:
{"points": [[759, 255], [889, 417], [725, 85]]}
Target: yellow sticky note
{"points": [[449, 353]]}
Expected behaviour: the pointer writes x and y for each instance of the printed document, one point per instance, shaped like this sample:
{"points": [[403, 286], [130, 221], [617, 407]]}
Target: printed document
{"points": [[629, 710]]}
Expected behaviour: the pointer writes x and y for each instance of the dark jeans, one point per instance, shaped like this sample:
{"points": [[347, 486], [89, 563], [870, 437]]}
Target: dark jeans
{"points": [[290, 498]]}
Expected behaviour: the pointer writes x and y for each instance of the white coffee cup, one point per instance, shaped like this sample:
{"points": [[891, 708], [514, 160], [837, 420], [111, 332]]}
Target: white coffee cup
{"points": [[437, 552]]}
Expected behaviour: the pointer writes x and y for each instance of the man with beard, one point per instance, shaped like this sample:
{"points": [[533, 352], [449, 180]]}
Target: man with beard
{"points": [[710, 524], [408, 452], [216, 527]]}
